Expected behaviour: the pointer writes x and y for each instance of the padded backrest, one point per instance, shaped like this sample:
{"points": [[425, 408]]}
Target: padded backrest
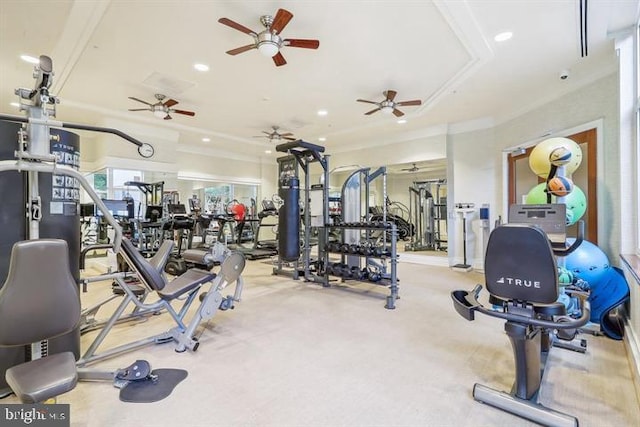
{"points": [[159, 259], [146, 271], [519, 265], [40, 297]]}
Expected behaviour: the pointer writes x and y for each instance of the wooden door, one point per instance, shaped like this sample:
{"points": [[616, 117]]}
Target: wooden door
{"points": [[522, 179]]}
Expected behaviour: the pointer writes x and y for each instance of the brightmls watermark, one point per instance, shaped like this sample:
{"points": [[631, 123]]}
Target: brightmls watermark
{"points": [[36, 415]]}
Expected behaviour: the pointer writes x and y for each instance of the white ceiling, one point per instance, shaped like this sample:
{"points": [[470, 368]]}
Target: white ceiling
{"points": [[441, 52]]}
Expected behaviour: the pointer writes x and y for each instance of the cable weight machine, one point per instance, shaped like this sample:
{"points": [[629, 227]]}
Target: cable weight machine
{"points": [[315, 211], [33, 172]]}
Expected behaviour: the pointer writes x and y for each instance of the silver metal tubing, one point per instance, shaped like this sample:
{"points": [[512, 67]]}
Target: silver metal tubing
{"points": [[47, 167], [523, 408]]}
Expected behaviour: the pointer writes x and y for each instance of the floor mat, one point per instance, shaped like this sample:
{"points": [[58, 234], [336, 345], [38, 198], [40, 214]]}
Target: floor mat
{"points": [[149, 391]]}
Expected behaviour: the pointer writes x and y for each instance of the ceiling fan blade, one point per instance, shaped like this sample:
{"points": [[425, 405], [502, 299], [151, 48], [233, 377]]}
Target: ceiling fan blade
{"points": [[407, 103], [368, 102], [390, 94], [397, 113], [286, 134], [265, 132], [140, 109], [185, 112], [281, 20], [372, 111], [170, 103], [279, 59], [241, 49], [229, 23], [304, 43], [288, 138], [140, 100], [168, 117]]}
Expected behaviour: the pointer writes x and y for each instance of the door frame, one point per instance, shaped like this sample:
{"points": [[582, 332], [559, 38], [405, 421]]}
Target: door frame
{"points": [[599, 167]]}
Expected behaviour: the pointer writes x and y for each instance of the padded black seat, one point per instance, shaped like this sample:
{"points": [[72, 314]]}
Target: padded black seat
{"points": [[44, 378], [39, 301], [184, 283]]}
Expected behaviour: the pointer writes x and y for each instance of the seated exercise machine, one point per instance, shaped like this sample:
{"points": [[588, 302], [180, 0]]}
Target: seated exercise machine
{"points": [[522, 279], [88, 321], [184, 288], [56, 311]]}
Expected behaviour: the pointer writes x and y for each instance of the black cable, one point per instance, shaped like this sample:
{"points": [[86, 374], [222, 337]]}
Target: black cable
{"points": [[581, 31], [586, 46]]}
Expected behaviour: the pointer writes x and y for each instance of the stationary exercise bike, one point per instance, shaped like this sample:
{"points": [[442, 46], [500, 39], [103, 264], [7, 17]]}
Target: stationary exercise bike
{"points": [[522, 279]]}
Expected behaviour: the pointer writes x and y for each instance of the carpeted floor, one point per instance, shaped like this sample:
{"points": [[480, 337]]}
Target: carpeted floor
{"points": [[296, 354]]}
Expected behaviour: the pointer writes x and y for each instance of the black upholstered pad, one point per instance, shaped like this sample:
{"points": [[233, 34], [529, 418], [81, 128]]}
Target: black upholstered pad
{"points": [[159, 259], [40, 298], [147, 271], [42, 379], [191, 279], [519, 265]]}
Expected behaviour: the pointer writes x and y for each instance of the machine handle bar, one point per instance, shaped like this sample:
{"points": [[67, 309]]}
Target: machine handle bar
{"points": [[467, 302]]}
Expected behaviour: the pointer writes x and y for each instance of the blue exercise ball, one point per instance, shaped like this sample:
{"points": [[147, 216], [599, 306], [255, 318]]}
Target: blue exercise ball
{"points": [[588, 262]]}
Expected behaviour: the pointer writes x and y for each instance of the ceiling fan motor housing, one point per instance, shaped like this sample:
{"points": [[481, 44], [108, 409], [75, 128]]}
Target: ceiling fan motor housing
{"points": [[267, 39]]}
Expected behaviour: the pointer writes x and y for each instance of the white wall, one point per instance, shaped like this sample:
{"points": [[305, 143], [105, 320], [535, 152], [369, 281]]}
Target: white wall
{"points": [[591, 103], [471, 179], [428, 148]]}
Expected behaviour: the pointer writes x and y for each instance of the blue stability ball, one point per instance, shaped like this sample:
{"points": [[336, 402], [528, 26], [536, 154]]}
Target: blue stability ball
{"points": [[587, 262]]}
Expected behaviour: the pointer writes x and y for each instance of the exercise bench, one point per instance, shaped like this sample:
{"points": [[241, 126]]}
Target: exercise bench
{"points": [[183, 288]]}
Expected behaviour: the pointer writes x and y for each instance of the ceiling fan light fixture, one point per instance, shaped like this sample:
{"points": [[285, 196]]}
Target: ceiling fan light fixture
{"points": [[159, 113], [387, 109], [268, 48]]}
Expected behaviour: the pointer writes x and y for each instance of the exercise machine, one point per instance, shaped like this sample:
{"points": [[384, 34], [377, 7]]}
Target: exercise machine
{"points": [[368, 239], [40, 172], [522, 280], [185, 289], [178, 226], [266, 235], [44, 378], [315, 211], [428, 213]]}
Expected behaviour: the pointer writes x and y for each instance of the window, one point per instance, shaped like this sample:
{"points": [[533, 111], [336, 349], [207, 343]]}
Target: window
{"points": [[109, 183]]}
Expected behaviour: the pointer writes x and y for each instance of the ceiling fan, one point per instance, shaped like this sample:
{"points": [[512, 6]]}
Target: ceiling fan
{"points": [[275, 135], [161, 109], [389, 105], [413, 168], [268, 41]]}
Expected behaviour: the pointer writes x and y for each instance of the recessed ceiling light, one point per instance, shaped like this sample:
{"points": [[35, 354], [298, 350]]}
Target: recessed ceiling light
{"points": [[30, 59], [201, 67], [402, 121], [322, 112], [267, 151], [205, 139], [503, 36], [322, 139], [14, 104]]}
